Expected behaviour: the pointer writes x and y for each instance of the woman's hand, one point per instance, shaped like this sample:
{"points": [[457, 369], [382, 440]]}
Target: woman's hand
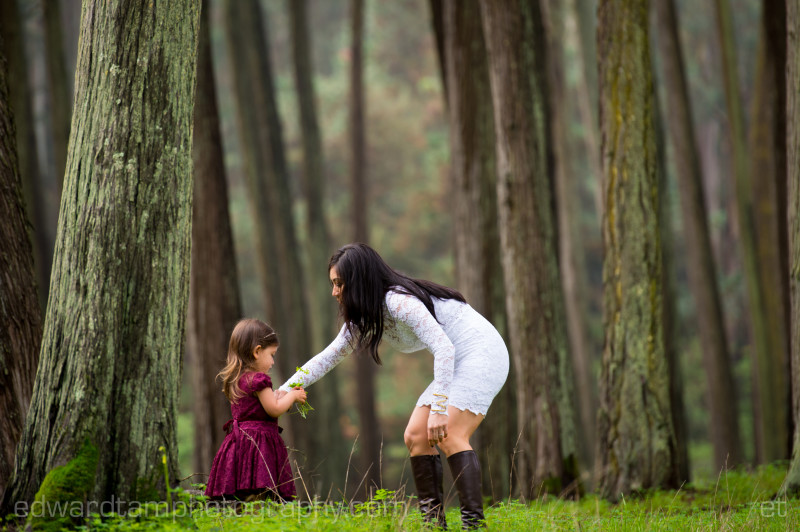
{"points": [[437, 428], [280, 393], [300, 395]]}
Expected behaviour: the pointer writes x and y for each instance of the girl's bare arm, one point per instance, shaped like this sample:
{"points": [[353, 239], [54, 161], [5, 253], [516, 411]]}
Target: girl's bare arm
{"points": [[275, 406]]}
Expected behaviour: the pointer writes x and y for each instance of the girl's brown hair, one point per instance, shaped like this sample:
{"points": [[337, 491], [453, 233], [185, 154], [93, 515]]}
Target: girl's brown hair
{"points": [[246, 336]]}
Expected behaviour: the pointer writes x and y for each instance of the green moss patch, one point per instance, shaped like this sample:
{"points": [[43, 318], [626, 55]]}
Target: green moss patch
{"points": [[61, 498]]}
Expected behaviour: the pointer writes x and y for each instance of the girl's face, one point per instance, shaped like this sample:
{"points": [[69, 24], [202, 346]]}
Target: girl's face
{"points": [[337, 283], [265, 358]]}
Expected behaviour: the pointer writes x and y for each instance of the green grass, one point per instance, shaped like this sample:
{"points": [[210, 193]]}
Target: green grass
{"points": [[736, 500]]}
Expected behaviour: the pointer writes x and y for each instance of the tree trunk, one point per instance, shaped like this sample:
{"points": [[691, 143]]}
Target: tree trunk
{"points": [[791, 485], [326, 391], [569, 241], [370, 434], [214, 305], [765, 409], [636, 439], [20, 315], [60, 101], [701, 269], [473, 175], [106, 392], [767, 149], [271, 203], [437, 9], [669, 312], [20, 100], [583, 12], [547, 461]]}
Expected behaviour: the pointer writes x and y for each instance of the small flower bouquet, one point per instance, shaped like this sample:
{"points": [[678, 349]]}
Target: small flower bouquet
{"points": [[303, 408]]}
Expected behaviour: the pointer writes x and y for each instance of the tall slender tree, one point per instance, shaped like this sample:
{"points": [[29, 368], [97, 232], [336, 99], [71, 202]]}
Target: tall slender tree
{"points": [[636, 440], [20, 315], [791, 485], [318, 246], [365, 370], [473, 174], [768, 423], [20, 99], [569, 236], [104, 407], [724, 426], [547, 462], [214, 303], [60, 102], [767, 159]]}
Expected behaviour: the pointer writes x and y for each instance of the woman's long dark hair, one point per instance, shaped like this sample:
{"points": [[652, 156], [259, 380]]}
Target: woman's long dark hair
{"points": [[367, 278]]}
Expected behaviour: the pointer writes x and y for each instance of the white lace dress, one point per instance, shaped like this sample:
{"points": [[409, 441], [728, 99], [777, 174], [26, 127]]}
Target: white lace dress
{"points": [[470, 358]]}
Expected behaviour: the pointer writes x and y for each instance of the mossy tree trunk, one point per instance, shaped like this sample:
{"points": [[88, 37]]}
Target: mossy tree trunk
{"points": [[547, 458], [767, 420], [636, 440], [792, 483], [473, 175], [214, 303], [271, 203], [110, 365], [19, 94], [318, 246], [724, 428], [20, 314], [767, 150]]}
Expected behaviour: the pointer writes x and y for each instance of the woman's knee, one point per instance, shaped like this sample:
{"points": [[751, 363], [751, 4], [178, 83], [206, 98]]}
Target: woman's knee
{"points": [[415, 437], [454, 444]]}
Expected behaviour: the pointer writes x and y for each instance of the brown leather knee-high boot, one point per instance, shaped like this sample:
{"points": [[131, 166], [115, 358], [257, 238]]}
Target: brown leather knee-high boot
{"points": [[467, 477], [427, 470]]}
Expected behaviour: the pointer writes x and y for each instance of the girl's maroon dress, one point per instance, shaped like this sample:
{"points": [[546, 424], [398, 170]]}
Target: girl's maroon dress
{"points": [[252, 456]]}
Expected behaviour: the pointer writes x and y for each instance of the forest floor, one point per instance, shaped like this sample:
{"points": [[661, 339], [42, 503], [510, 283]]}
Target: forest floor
{"points": [[736, 500]]}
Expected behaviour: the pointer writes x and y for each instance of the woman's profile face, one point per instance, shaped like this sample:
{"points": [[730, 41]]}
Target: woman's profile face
{"points": [[337, 283]]}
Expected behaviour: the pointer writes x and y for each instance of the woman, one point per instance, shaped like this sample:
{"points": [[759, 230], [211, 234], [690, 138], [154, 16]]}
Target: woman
{"points": [[470, 366]]}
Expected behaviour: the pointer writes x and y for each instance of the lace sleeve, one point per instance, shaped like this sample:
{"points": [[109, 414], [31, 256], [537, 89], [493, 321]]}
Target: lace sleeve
{"points": [[411, 311], [314, 369]]}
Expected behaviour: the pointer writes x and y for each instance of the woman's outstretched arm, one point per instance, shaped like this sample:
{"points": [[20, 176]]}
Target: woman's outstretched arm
{"points": [[314, 369]]}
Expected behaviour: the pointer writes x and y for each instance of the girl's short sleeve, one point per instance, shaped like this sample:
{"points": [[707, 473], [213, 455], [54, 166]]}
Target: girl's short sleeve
{"points": [[255, 382]]}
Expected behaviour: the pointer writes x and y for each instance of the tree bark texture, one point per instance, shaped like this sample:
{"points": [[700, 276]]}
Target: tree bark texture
{"points": [[473, 174], [791, 485], [764, 407], [271, 202], [636, 440], [767, 149], [326, 391], [110, 363], [214, 303], [20, 100], [60, 97], [547, 461], [569, 242], [365, 368], [724, 426], [20, 314]]}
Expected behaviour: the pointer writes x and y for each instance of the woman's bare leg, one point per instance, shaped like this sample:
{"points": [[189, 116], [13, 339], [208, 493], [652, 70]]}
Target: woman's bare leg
{"points": [[460, 427]]}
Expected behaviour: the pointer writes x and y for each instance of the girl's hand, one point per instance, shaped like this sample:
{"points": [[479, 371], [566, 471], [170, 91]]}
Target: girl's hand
{"points": [[437, 428], [300, 395]]}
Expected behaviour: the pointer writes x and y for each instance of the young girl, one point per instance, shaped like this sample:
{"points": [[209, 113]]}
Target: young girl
{"points": [[252, 461]]}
